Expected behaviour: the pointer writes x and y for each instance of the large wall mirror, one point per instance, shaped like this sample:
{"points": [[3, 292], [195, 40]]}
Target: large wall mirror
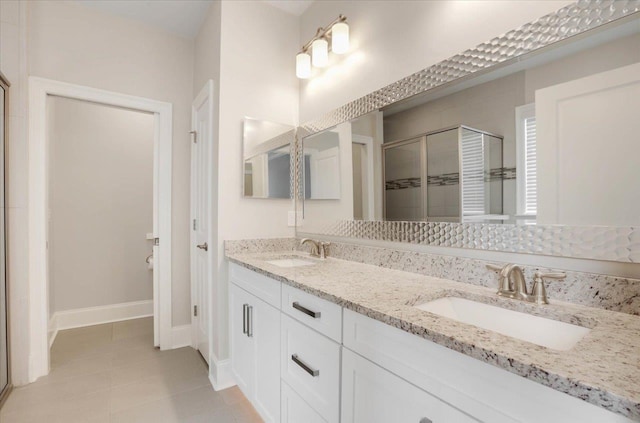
{"points": [[549, 138], [267, 159]]}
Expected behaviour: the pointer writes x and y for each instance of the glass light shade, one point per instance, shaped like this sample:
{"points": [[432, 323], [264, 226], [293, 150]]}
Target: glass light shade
{"points": [[320, 53], [340, 38], [303, 65]]}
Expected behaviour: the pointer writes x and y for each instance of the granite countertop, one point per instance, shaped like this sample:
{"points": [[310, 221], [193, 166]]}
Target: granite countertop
{"points": [[602, 369]]}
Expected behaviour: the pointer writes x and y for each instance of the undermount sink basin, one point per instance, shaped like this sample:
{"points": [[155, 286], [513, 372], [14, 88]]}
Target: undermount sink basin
{"points": [[526, 327], [291, 262]]}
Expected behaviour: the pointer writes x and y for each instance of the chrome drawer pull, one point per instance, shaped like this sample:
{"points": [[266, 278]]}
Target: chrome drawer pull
{"points": [[250, 321], [306, 368], [244, 318], [314, 314]]}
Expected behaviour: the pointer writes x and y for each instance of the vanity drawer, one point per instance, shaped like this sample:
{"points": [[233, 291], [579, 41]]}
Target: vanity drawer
{"points": [[267, 289], [311, 367], [321, 315]]}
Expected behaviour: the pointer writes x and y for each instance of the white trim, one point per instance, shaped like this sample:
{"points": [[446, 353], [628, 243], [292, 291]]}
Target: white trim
{"points": [[90, 316], [53, 330], [220, 374], [181, 336], [206, 94], [39, 89], [368, 142]]}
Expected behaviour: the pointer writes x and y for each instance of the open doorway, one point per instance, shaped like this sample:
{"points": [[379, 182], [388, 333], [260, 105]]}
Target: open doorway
{"points": [[99, 213]]}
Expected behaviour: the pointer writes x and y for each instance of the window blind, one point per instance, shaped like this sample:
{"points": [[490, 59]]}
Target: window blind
{"points": [[530, 173], [473, 195]]}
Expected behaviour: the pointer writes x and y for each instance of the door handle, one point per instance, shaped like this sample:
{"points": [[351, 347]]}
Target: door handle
{"points": [[244, 318], [203, 246], [250, 321]]}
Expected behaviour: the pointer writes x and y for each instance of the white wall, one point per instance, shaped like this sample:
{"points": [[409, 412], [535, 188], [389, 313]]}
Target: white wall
{"points": [[101, 204], [13, 64], [393, 39], [72, 43], [256, 77]]}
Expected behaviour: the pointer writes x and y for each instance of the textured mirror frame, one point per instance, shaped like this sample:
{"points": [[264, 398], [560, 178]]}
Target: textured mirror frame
{"points": [[591, 242]]}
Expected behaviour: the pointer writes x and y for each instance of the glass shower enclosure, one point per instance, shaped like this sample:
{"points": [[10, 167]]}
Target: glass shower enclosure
{"points": [[5, 379], [450, 175]]}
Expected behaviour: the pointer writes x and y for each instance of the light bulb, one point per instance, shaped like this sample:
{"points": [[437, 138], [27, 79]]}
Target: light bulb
{"points": [[303, 65], [340, 38], [320, 53]]}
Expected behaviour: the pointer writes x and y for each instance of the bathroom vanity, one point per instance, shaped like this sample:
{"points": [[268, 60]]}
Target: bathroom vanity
{"points": [[339, 341]]}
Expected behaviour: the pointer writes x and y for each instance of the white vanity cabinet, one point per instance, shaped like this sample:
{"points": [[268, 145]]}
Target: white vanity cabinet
{"points": [[255, 344], [302, 359]]}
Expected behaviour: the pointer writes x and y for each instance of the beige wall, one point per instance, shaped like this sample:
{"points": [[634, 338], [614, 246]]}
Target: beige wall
{"points": [[13, 64], [72, 43], [255, 76], [101, 204]]}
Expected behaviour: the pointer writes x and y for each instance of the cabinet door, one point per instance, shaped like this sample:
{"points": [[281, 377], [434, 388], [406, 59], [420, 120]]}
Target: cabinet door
{"points": [[371, 394], [264, 329], [242, 346], [296, 410]]}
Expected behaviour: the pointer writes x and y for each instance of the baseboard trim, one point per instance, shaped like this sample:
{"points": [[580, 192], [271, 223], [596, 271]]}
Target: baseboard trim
{"points": [[69, 319], [220, 374], [181, 336], [52, 329]]}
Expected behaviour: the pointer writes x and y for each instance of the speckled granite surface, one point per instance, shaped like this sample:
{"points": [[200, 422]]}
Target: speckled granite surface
{"points": [[603, 369], [589, 289]]}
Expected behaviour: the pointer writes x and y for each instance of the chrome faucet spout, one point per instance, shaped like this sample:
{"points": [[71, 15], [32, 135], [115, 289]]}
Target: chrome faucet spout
{"points": [[314, 246], [318, 248]]}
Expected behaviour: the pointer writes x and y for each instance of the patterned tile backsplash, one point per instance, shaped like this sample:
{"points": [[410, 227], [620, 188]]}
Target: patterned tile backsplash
{"points": [[593, 290], [589, 289]]}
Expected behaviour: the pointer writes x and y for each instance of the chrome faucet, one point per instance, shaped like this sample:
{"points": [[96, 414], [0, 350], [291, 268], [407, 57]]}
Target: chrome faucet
{"points": [[318, 248], [512, 283]]}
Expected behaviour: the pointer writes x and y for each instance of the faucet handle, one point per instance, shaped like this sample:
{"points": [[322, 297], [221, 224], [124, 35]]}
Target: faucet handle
{"points": [[322, 248], [494, 267], [550, 275], [539, 291]]}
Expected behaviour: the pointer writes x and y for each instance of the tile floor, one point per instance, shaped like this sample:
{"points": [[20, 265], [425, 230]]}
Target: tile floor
{"points": [[112, 373]]}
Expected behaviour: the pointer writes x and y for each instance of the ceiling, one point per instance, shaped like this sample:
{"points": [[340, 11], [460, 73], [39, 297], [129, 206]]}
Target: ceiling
{"points": [[295, 7], [182, 17]]}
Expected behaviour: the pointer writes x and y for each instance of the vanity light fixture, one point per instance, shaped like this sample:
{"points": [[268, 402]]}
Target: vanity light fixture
{"points": [[337, 32]]}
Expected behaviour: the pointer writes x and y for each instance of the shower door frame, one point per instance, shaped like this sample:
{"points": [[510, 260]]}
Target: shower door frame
{"points": [[4, 84]]}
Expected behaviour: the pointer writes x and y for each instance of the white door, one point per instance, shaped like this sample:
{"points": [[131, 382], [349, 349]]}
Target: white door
{"points": [[201, 222], [325, 174], [585, 128]]}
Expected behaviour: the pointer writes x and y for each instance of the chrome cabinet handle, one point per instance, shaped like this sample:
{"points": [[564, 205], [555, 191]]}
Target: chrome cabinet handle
{"points": [[244, 318], [314, 314], [203, 246], [304, 366], [250, 321]]}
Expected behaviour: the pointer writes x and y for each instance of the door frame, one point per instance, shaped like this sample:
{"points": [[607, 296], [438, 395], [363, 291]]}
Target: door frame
{"points": [[38, 148], [206, 94]]}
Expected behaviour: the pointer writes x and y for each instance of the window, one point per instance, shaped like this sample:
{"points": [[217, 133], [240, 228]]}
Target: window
{"points": [[526, 171]]}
